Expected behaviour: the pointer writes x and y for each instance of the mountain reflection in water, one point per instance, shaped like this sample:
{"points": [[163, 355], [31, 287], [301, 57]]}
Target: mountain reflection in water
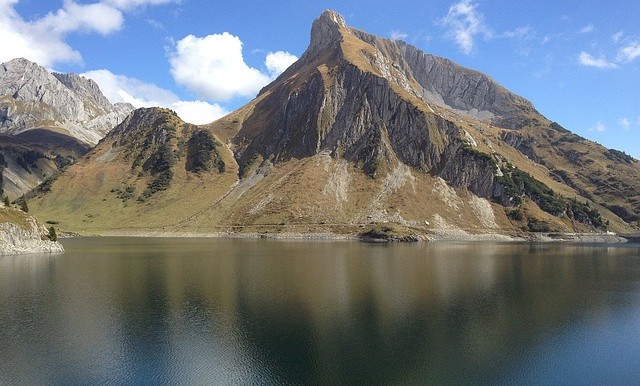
{"points": [[210, 311]]}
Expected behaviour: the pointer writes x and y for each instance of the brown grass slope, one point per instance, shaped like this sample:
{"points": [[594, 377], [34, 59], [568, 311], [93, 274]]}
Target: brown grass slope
{"points": [[141, 176]]}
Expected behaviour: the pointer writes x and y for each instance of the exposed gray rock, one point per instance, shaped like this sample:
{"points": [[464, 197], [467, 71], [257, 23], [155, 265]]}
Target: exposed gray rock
{"points": [[31, 97], [442, 82], [521, 142], [15, 240]]}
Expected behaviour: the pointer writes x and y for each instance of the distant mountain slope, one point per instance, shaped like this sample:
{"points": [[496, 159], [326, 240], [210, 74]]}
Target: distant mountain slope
{"points": [[359, 130], [54, 119]]}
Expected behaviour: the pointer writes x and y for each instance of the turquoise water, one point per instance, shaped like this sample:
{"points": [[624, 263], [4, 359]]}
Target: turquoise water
{"points": [[211, 311]]}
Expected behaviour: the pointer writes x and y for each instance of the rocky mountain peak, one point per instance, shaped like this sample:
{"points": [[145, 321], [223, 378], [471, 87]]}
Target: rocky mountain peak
{"points": [[87, 88], [326, 30], [19, 77], [33, 98], [143, 119]]}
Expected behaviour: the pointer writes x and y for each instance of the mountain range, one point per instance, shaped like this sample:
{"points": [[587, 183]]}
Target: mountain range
{"points": [[361, 134], [47, 121]]}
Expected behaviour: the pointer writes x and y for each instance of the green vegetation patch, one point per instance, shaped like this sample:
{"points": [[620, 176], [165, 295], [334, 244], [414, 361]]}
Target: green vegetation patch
{"points": [[161, 182], [387, 232], [203, 154], [619, 156], [519, 184], [29, 159]]}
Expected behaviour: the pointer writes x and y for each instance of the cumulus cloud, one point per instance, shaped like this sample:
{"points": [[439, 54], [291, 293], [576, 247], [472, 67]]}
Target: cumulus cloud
{"points": [[629, 52], [120, 88], [28, 40], [589, 60], [213, 67], [43, 40], [277, 62], [397, 35], [465, 22], [98, 17]]}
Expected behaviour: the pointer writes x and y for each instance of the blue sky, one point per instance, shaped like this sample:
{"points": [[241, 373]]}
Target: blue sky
{"points": [[577, 61]]}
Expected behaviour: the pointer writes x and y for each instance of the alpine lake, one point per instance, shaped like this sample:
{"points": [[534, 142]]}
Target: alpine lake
{"points": [[206, 311]]}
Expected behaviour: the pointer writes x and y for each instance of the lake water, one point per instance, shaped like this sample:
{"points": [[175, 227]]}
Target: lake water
{"points": [[214, 311]]}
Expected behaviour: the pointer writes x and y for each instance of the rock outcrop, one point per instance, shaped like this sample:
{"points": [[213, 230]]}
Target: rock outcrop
{"points": [[28, 237]]}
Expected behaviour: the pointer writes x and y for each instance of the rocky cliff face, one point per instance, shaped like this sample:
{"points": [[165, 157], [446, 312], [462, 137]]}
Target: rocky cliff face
{"points": [[21, 234], [31, 97]]}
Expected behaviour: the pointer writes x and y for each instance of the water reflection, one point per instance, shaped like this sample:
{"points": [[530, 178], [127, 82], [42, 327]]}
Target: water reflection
{"points": [[256, 312]]}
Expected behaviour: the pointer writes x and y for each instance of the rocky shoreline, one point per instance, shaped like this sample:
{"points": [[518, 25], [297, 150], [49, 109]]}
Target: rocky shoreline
{"points": [[436, 236], [15, 240]]}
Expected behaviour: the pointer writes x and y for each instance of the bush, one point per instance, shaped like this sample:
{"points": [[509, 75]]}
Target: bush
{"points": [[515, 215], [53, 236], [161, 182], [535, 225]]}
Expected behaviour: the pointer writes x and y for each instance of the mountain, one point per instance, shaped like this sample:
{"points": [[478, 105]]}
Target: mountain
{"points": [[360, 130], [47, 120]]}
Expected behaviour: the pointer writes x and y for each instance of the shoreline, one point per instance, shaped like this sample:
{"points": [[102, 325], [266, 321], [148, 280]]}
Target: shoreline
{"points": [[437, 236]]}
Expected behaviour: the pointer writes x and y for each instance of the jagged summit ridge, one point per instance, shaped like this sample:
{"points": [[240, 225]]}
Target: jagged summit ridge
{"points": [[31, 97], [436, 81], [326, 32]]}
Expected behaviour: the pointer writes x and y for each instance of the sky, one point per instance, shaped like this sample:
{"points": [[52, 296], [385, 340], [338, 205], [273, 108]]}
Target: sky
{"points": [[578, 62]]}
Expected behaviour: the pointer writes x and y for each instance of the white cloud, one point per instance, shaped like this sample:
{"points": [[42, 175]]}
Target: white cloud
{"points": [[98, 17], [120, 88], [214, 68], [397, 35], [599, 127], [464, 23], [43, 40], [277, 62], [130, 4], [629, 52], [519, 33], [198, 112], [616, 37], [588, 60], [624, 122], [27, 40], [586, 29]]}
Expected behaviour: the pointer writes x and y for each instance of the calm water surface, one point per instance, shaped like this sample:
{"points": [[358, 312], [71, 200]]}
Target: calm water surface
{"points": [[209, 311]]}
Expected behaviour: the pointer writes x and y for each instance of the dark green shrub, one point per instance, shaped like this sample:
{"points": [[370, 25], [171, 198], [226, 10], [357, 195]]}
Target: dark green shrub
{"points": [[53, 236]]}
